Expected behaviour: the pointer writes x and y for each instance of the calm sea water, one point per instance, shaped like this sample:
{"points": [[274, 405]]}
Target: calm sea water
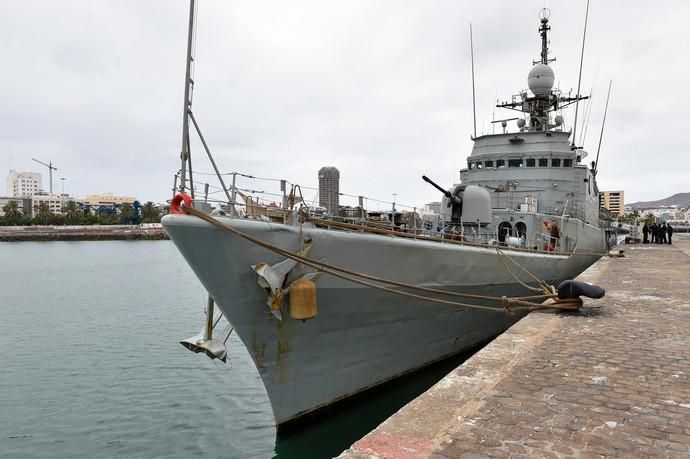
{"points": [[90, 364]]}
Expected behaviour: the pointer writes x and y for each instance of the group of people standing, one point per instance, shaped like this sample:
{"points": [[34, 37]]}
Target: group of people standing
{"points": [[661, 234]]}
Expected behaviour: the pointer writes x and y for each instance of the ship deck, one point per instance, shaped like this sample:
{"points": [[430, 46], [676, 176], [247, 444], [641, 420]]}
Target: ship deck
{"points": [[611, 383]]}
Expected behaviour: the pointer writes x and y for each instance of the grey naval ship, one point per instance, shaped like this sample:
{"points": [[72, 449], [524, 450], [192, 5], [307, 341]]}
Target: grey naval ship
{"points": [[527, 193]]}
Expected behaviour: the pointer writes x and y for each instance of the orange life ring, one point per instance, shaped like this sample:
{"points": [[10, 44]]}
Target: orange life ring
{"points": [[178, 199]]}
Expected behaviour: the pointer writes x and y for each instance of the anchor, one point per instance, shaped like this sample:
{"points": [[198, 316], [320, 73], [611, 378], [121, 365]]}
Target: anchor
{"points": [[272, 278], [213, 346]]}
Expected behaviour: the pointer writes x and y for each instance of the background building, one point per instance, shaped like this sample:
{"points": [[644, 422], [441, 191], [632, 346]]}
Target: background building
{"points": [[23, 184], [613, 201], [432, 208], [56, 201], [108, 199], [329, 189], [24, 205]]}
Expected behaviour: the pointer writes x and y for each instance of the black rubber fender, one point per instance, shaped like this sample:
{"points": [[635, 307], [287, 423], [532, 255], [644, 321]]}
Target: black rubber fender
{"points": [[575, 289]]}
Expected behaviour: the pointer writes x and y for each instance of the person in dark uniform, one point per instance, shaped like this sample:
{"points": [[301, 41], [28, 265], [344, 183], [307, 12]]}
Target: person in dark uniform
{"points": [[645, 233], [669, 230], [653, 231], [663, 234]]}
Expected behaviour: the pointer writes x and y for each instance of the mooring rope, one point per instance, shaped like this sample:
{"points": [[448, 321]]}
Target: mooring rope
{"points": [[508, 303], [546, 288]]}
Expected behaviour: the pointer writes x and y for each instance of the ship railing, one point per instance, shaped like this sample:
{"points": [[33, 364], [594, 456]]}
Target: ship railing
{"points": [[562, 244], [249, 196], [487, 234]]}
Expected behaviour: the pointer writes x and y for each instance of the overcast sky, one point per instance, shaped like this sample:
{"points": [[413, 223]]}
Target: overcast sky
{"points": [[379, 89]]}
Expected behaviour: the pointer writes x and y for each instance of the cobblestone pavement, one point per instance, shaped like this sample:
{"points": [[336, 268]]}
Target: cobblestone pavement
{"points": [[614, 382]]}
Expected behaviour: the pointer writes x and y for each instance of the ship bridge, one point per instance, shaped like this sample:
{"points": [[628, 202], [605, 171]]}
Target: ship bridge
{"points": [[533, 171]]}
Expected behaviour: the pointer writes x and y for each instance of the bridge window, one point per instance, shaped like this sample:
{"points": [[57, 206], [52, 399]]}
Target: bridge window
{"points": [[488, 164], [479, 164], [470, 165], [500, 163], [515, 163], [567, 163], [530, 162], [543, 162], [556, 162]]}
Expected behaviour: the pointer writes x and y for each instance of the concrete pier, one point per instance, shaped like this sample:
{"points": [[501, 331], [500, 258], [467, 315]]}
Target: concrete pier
{"points": [[610, 382]]}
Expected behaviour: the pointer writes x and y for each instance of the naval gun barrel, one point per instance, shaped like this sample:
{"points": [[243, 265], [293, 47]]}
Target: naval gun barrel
{"points": [[432, 183], [446, 193]]}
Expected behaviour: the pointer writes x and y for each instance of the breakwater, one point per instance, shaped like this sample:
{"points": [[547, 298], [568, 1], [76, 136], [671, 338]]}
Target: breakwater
{"points": [[82, 233]]}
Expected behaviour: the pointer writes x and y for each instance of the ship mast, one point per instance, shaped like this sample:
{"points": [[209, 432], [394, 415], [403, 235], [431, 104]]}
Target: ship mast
{"points": [[188, 86], [544, 99]]}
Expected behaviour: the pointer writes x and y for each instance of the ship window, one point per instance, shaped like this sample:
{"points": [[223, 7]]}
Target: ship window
{"points": [[514, 163], [479, 164], [543, 162], [470, 165], [556, 162], [504, 230], [567, 163], [530, 162], [488, 164], [500, 163]]}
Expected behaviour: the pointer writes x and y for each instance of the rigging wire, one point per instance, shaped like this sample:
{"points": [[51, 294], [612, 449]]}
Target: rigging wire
{"points": [[270, 179], [586, 119]]}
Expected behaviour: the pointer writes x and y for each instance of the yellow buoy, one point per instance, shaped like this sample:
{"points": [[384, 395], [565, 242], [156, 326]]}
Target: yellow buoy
{"points": [[303, 299]]}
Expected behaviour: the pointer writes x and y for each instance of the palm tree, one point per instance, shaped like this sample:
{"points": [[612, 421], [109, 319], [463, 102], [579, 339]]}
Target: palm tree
{"points": [[43, 214], [72, 213], [150, 213], [126, 213], [12, 211]]}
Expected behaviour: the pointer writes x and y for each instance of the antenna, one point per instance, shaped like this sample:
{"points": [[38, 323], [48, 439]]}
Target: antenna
{"points": [[579, 77], [544, 15], [474, 105], [50, 171], [596, 161]]}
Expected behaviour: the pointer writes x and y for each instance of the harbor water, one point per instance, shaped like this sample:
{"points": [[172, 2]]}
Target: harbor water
{"points": [[91, 365]]}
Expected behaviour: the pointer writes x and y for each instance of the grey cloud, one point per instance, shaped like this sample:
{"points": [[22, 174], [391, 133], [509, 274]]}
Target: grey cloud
{"points": [[380, 90]]}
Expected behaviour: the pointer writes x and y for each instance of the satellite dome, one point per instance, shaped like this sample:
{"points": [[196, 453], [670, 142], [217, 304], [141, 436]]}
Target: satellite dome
{"points": [[540, 80]]}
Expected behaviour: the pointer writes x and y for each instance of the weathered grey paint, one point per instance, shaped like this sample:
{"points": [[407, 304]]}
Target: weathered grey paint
{"points": [[360, 337]]}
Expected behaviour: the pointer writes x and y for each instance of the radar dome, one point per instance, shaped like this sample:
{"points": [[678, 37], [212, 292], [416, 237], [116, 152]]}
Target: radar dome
{"points": [[540, 80]]}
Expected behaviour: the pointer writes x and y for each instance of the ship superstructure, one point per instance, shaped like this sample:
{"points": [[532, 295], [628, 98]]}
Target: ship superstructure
{"points": [[536, 175]]}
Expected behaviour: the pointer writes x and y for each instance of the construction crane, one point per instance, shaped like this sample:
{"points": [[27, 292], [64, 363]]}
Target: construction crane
{"points": [[50, 171]]}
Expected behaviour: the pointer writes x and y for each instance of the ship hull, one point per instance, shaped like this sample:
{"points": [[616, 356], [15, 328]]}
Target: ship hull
{"points": [[361, 337]]}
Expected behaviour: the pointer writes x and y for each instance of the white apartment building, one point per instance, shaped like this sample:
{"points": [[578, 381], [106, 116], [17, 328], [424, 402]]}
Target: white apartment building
{"points": [[432, 208], [23, 184], [55, 201]]}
